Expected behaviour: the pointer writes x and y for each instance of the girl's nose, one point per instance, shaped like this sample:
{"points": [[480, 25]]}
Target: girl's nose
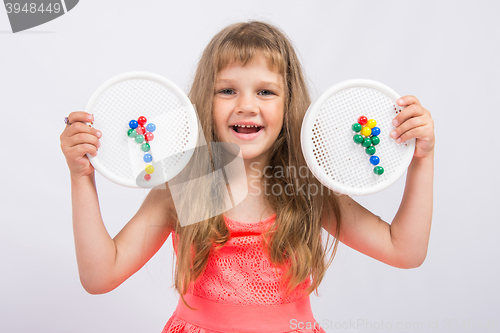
{"points": [[247, 104]]}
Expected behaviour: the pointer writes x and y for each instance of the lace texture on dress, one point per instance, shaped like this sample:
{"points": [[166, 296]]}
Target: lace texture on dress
{"points": [[240, 274]]}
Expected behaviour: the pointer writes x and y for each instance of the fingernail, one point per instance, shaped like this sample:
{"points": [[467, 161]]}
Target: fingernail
{"points": [[400, 101], [90, 117], [98, 144], [395, 122], [398, 140], [99, 134], [393, 134]]}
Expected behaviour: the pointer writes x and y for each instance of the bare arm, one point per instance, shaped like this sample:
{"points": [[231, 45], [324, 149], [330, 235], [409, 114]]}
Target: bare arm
{"points": [[404, 242], [411, 227], [95, 250], [104, 263], [144, 235]]}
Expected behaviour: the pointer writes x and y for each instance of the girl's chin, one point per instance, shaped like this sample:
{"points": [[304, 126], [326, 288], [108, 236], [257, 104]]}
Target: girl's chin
{"points": [[250, 150], [253, 154]]}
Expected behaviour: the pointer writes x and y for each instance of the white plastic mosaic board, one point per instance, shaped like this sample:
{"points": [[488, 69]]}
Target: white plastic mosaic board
{"points": [[327, 138], [127, 97]]}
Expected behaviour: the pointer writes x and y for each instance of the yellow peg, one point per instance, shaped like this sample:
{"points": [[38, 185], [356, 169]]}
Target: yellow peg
{"points": [[371, 123], [366, 131], [150, 169]]}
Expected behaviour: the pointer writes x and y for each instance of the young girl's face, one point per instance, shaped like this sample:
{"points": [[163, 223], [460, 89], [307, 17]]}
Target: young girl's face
{"points": [[251, 96]]}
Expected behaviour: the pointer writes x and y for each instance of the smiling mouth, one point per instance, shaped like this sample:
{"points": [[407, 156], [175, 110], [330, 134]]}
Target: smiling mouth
{"points": [[246, 129]]}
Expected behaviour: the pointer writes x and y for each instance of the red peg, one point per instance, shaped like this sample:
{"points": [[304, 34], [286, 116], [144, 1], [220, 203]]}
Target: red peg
{"points": [[147, 177], [362, 120], [140, 129], [142, 120], [149, 136]]}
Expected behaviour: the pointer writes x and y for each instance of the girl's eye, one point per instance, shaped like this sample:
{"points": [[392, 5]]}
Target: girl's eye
{"points": [[226, 91], [265, 93]]}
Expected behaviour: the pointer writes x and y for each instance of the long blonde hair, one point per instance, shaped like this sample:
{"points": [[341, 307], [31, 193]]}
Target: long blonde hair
{"points": [[295, 240]]}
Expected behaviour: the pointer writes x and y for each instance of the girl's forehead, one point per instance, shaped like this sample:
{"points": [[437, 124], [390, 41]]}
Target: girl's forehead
{"points": [[258, 62], [257, 72], [244, 59]]}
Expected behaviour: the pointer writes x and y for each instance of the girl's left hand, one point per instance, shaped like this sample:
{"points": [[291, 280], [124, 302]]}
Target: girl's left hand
{"points": [[414, 122]]}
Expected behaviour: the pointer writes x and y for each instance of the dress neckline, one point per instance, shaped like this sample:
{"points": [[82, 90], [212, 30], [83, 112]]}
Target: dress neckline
{"points": [[268, 220]]}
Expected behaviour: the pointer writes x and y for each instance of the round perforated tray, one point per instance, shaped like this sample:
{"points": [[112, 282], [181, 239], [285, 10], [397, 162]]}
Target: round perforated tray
{"points": [[129, 96], [327, 138]]}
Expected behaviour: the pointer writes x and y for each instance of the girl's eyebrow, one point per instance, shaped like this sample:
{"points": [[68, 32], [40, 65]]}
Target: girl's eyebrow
{"points": [[270, 83], [264, 83], [224, 81]]}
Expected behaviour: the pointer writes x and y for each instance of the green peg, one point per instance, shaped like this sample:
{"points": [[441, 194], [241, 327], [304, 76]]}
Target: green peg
{"points": [[370, 150], [358, 138], [132, 133], [378, 170], [139, 138], [367, 142]]}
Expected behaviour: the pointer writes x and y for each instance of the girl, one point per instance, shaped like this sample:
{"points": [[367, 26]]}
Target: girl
{"points": [[252, 268]]}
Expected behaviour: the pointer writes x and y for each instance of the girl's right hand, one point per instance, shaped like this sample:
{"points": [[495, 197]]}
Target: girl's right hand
{"points": [[78, 139]]}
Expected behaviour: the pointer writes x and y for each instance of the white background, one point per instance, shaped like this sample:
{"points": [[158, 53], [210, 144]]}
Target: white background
{"points": [[444, 52]]}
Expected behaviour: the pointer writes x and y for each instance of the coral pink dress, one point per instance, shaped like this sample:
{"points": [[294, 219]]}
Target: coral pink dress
{"points": [[239, 291]]}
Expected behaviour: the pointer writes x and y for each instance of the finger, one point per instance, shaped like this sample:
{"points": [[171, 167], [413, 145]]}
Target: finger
{"points": [[408, 125], [80, 116], [407, 100], [82, 149], [79, 127], [411, 111], [77, 153], [417, 132], [79, 133], [83, 138]]}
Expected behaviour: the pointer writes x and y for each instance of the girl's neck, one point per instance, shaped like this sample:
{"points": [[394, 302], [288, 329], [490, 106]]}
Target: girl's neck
{"points": [[254, 207], [255, 169]]}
